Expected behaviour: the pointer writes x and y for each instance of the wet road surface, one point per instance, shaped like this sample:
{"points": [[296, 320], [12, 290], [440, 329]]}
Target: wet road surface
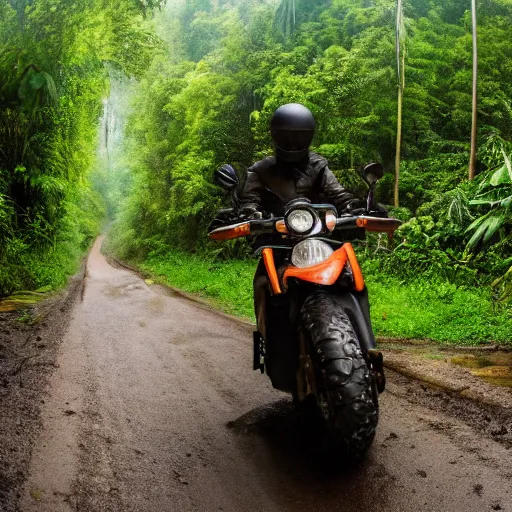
{"points": [[154, 407]]}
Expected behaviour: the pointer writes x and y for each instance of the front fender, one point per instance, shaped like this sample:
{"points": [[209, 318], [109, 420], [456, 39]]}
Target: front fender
{"points": [[358, 309]]}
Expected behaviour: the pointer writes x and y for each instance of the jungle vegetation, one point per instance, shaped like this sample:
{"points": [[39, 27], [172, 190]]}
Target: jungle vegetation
{"points": [[55, 61], [192, 85]]}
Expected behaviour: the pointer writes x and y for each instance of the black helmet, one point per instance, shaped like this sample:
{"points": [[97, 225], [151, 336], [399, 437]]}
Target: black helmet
{"points": [[292, 128]]}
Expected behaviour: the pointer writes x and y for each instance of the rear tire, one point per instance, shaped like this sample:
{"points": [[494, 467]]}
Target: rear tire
{"points": [[346, 395]]}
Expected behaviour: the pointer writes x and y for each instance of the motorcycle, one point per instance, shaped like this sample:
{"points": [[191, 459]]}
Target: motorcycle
{"points": [[314, 337]]}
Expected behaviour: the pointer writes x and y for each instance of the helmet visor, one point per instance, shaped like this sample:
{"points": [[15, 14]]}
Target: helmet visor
{"points": [[292, 140]]}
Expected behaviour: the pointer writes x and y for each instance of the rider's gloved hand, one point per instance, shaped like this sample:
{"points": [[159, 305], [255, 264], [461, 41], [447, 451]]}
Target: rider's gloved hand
{"points": [[359, 207], [356, 207], [250, 213]]}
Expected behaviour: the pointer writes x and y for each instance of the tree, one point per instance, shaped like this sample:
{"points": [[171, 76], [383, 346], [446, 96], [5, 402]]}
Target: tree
{"points": [[400, 67], [472, 154], [286, 16], [54, 56]]}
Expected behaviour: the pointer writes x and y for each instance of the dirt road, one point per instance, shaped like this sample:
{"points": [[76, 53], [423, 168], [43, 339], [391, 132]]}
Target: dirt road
{"points": [[154, 407]]}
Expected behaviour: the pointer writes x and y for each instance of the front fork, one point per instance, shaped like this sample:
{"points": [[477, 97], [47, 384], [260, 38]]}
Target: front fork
{"points": [[306, 375]]}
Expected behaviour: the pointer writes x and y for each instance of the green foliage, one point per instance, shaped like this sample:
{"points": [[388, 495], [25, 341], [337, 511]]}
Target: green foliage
{"points": [[52, 80], [493, 201], [462, 235], [437, 310], [339, 61], [286, 16]]}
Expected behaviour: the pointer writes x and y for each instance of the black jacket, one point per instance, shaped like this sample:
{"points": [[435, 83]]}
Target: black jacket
{"points": [[269, 186]]}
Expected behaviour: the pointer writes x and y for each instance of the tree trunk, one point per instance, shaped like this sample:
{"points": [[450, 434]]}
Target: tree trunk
{"points": [[400, 63], [472, 154], [401, 87]]}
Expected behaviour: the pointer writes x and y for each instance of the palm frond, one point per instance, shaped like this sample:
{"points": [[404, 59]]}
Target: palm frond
{"points": [[458, 211], [508, 165], [503, 285], [285, 19], [495, 195]]}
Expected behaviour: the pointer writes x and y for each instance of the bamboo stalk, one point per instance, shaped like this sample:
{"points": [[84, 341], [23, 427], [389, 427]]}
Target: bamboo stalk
{"points": [[398, 146], [400, 61], [474, 121]]}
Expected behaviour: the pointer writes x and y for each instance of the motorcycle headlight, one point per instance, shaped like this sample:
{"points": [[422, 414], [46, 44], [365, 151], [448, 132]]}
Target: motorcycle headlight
{"points": [[310, 252], [300, 221]]}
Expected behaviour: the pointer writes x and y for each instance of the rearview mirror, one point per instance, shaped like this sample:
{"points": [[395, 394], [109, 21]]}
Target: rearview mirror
{"points": [[226, 177], [372, 173]]}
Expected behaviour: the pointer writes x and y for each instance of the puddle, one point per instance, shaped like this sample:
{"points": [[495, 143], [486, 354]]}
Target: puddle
{"points": [[495, 368]]}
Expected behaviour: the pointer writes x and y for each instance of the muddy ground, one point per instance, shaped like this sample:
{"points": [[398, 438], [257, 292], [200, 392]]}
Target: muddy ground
{"points": [[126, 397], [29, 346]]}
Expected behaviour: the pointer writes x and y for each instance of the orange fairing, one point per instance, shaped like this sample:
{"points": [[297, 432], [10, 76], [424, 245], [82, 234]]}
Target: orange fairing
{"points": [[325, 273], [268, 259], [328, 272], [230, 232], [356, 269]]}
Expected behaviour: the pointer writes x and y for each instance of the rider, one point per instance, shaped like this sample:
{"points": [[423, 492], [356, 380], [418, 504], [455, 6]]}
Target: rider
{"points": [[294, 172]]}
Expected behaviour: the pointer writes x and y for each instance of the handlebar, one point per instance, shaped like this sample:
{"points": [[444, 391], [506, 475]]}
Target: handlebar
{"points": [[368, 223], [262, 226]]}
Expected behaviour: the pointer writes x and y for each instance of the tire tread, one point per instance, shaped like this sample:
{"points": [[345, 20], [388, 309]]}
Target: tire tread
{"points": [[347, 378]]}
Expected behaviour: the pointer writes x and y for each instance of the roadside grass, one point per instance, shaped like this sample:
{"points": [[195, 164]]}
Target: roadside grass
{"points": [[438, 311], [441, 311], [228, 283], [43, 268]]}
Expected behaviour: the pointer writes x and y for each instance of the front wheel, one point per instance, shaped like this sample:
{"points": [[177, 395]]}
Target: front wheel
{"points": [[345, 393]]}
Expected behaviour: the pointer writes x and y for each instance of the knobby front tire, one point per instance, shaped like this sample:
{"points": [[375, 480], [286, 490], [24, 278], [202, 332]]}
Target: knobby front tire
{"points": [[349, 404]]}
